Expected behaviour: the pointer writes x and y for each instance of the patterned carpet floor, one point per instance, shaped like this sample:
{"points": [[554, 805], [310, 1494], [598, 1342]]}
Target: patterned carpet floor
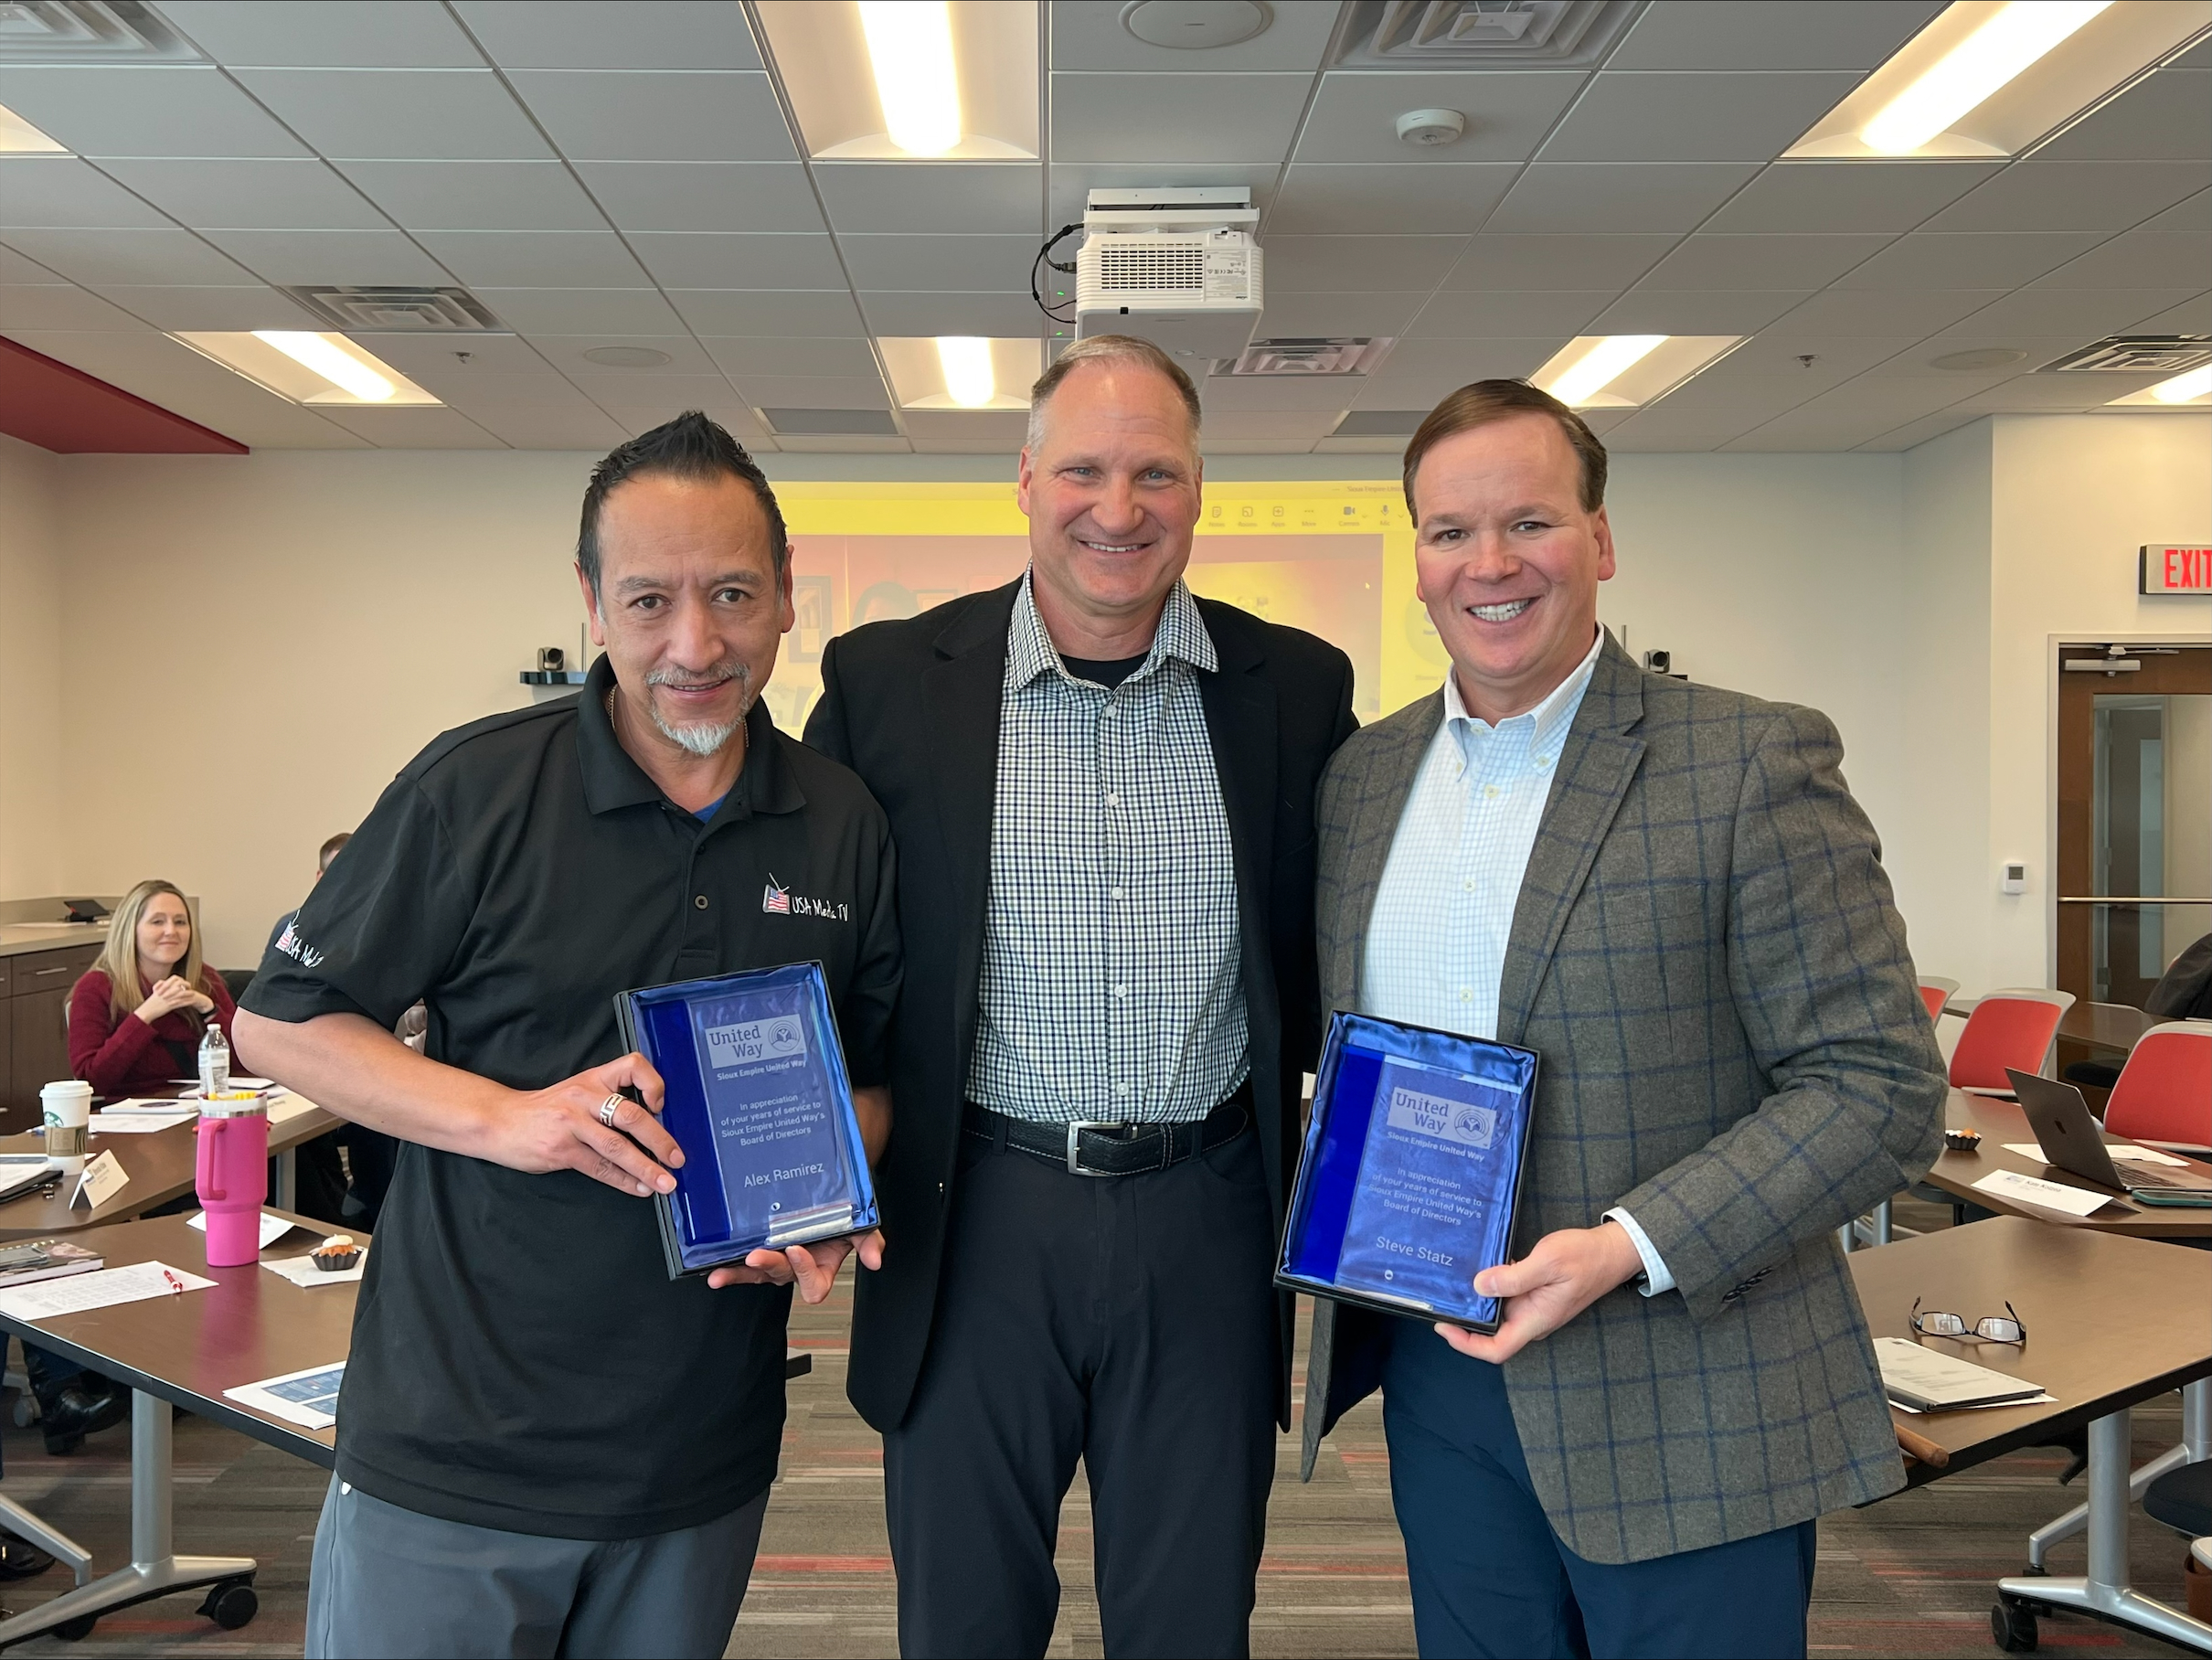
{"points": [[1909, 1576]]}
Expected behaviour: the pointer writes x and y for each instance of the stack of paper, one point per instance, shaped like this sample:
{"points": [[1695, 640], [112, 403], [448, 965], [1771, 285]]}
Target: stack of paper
{"points": [[1923, 1380]]}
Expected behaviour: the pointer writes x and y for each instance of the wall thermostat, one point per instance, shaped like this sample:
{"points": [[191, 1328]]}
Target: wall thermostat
{"points": [[2014, 879]]}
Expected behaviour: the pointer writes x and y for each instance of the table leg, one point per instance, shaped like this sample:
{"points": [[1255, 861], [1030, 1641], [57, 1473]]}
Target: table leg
{"points": [[1847, 1235], [1881, 1223], [156, 1569], [2195, 1446], [287, 1179], [48, 1539], [2103, 1590]]}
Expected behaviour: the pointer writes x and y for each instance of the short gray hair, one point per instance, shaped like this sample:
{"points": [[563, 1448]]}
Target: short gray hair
{"points": [[1108, 348]]}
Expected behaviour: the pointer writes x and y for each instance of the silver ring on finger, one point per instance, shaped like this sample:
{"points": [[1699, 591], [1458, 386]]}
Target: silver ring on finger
{"points": [[608, 1109]]}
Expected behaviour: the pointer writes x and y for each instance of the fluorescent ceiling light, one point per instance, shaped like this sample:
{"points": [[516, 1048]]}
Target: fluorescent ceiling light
{"points": [[1608, 358], [19, 137], [970, 381], [1627, 371], [1969, 75], [961, 371], [910, 52], [1993, 78], [310, 368], [952, 79], [2190, 389]]}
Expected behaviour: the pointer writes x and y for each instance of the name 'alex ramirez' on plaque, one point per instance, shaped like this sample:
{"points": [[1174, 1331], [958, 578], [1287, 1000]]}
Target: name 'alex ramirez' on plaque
{"points": [[758, 1096], [1412, 1169]]}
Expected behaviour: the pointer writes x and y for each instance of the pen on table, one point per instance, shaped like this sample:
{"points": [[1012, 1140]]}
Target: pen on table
{"points": [[175, 1284]]}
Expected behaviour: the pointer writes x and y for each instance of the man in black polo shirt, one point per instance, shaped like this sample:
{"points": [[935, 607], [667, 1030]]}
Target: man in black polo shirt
{"points": [[545, 1445]]}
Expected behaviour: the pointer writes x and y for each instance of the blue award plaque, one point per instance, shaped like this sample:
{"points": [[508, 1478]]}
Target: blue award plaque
{"points": [[1411, 1172], [757, 1098]]}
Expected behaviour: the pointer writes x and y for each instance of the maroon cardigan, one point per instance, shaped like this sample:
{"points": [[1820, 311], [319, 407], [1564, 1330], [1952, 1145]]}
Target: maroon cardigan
{"points": [[127, 1057]]}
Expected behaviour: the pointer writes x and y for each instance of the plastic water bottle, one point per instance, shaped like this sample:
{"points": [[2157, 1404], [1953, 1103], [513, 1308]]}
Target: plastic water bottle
{"points": [[214, 1063]]}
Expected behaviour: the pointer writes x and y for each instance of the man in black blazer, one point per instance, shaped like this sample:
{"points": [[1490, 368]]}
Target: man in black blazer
{"points": [[1102, 795]]}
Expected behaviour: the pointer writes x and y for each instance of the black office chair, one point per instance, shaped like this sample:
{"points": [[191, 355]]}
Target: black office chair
{"points": [[2182, 1499], [237, 980]]}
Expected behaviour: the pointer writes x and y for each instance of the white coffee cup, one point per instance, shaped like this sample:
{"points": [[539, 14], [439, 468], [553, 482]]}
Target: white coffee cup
{"points": [[69, 1111]]}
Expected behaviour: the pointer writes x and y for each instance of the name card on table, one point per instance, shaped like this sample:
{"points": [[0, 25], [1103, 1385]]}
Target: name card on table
{"points": [[100, 1181]]}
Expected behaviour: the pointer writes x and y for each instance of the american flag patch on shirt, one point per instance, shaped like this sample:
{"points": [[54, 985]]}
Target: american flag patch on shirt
{"points": [[776, 900]]}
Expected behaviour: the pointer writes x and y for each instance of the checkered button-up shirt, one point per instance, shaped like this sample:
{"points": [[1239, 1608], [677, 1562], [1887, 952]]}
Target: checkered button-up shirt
{"points": [[1112, 984]]}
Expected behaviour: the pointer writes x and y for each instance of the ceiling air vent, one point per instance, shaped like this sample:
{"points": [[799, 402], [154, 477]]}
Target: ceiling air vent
{"points": [[2137, 354], [87, 31], [831, 423], [396, 311], [1330, 354], [1483, 34]]}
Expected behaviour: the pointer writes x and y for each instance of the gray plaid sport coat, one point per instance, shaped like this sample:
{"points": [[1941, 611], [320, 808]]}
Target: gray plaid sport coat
{"points": [[1705, 955]]}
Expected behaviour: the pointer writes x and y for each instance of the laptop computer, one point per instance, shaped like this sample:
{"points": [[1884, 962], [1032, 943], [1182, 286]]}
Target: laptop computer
{"points": [[2074, 1142]]}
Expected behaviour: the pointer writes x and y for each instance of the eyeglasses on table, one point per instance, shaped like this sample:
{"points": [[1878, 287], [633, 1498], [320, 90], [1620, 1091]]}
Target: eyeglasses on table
{"points": [[1989, 1328]]}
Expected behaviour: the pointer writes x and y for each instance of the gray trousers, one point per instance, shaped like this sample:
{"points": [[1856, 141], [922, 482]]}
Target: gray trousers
{"points": [[389, 1581]]}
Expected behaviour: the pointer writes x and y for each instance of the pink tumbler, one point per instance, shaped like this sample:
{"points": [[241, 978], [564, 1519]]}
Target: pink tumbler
{"points": [[232, 1177]]}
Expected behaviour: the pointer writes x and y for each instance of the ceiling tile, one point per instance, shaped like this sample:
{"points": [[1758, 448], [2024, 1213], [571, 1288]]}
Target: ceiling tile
{"points": [[1659, 430], [2195, 214], [1298, 264], [815, 392], [537, 427], [708, 259], [1088, 35], [1068, 185], [792, 355], [1379, 444], [636, 34], [582, 311], [415, 429], [1873, 313], [1746, 398], [1845, 196], [498, 359], [1508, 315], [2164, 117], [1655, 117], [1307, 424], [996, 316], [2074, 196], [960, 264], [60, 305], [536, 258], [168, 109], [1255, 446], [1395, 196], [61, 193], [629, 115], [249, 195], [2085, 313], [656, 388], [1983, 258], [97, 257], [704, 196], [329, 256], [1624, 200], [1418, 379], [325, 34], [814, 312], [1354, 114], [1916, 433], [1762, 261], [477, 395], [1728, 35], [566, 353], [1190, 118], [1774, 350], [476, 195], [1917, 360], [960, 199], [2055, 393], [2141, 259], [1648, 312], [839, 443], [1557, 261], [1338, 313], [965, 446], [175, 308], [2192, 316], [399, 114], [20, 268], [1003, 429], [1252, 394]]}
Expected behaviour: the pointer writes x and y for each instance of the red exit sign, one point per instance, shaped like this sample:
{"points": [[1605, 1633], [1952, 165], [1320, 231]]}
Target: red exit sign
{"points": [[2174, 568]]}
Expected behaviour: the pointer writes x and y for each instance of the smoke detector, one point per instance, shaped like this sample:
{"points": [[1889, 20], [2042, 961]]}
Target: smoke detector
{"points": [[1428, 127]]}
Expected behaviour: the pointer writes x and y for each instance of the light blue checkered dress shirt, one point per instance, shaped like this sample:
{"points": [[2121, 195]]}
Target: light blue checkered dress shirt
{"points": [[1436, 943]]}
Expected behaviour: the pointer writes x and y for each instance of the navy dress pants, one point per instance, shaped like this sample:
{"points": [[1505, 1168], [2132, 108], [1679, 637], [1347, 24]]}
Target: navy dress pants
{"points": [[1490, 1577]]}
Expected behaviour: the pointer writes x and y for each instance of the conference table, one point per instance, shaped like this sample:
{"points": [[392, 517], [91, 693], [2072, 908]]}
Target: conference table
{"points": [[2112, 1320]]}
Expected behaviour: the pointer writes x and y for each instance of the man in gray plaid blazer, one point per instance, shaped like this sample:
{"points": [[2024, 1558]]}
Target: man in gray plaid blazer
{"points": [[1668, 892]]}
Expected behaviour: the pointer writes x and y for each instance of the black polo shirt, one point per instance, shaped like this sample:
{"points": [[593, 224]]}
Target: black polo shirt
{"points": [[521, 1359]]}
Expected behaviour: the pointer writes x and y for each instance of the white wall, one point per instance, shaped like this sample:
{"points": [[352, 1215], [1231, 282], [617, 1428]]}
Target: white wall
{"points": [[32, 635]]}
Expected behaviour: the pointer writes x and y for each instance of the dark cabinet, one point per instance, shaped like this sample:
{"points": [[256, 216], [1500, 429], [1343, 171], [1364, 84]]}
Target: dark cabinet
{"points": [[35, 1044]]}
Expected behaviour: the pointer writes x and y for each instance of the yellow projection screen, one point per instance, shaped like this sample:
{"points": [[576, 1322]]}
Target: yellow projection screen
{"points": [[1335, 559]]}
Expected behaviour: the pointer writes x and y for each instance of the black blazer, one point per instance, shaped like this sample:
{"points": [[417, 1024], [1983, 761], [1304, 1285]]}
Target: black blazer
{"points": [[913, 707]]}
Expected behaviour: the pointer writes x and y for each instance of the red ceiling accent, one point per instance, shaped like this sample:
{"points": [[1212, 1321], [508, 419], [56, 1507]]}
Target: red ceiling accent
{"points": [[57, 407]]}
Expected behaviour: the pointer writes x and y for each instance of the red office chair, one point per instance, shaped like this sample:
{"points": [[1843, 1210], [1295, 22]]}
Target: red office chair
{"points": [[2012, 1027], [2165, 1093], [1935, 992]]}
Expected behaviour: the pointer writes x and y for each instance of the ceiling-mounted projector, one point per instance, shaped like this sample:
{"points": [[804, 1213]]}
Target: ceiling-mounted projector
{"points": [[1177, 267]]}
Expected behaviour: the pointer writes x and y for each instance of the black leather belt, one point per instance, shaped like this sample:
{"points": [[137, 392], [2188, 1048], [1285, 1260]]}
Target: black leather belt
{"points": [[1088, 1147]]}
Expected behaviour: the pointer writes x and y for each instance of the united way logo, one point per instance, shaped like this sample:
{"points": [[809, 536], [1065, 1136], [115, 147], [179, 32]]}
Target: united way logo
{"points": [[1446, 1119], [749, 1042]]}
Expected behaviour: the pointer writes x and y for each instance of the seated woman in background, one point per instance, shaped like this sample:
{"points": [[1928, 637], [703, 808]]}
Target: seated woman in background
{"points": [[137, 1015]]}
